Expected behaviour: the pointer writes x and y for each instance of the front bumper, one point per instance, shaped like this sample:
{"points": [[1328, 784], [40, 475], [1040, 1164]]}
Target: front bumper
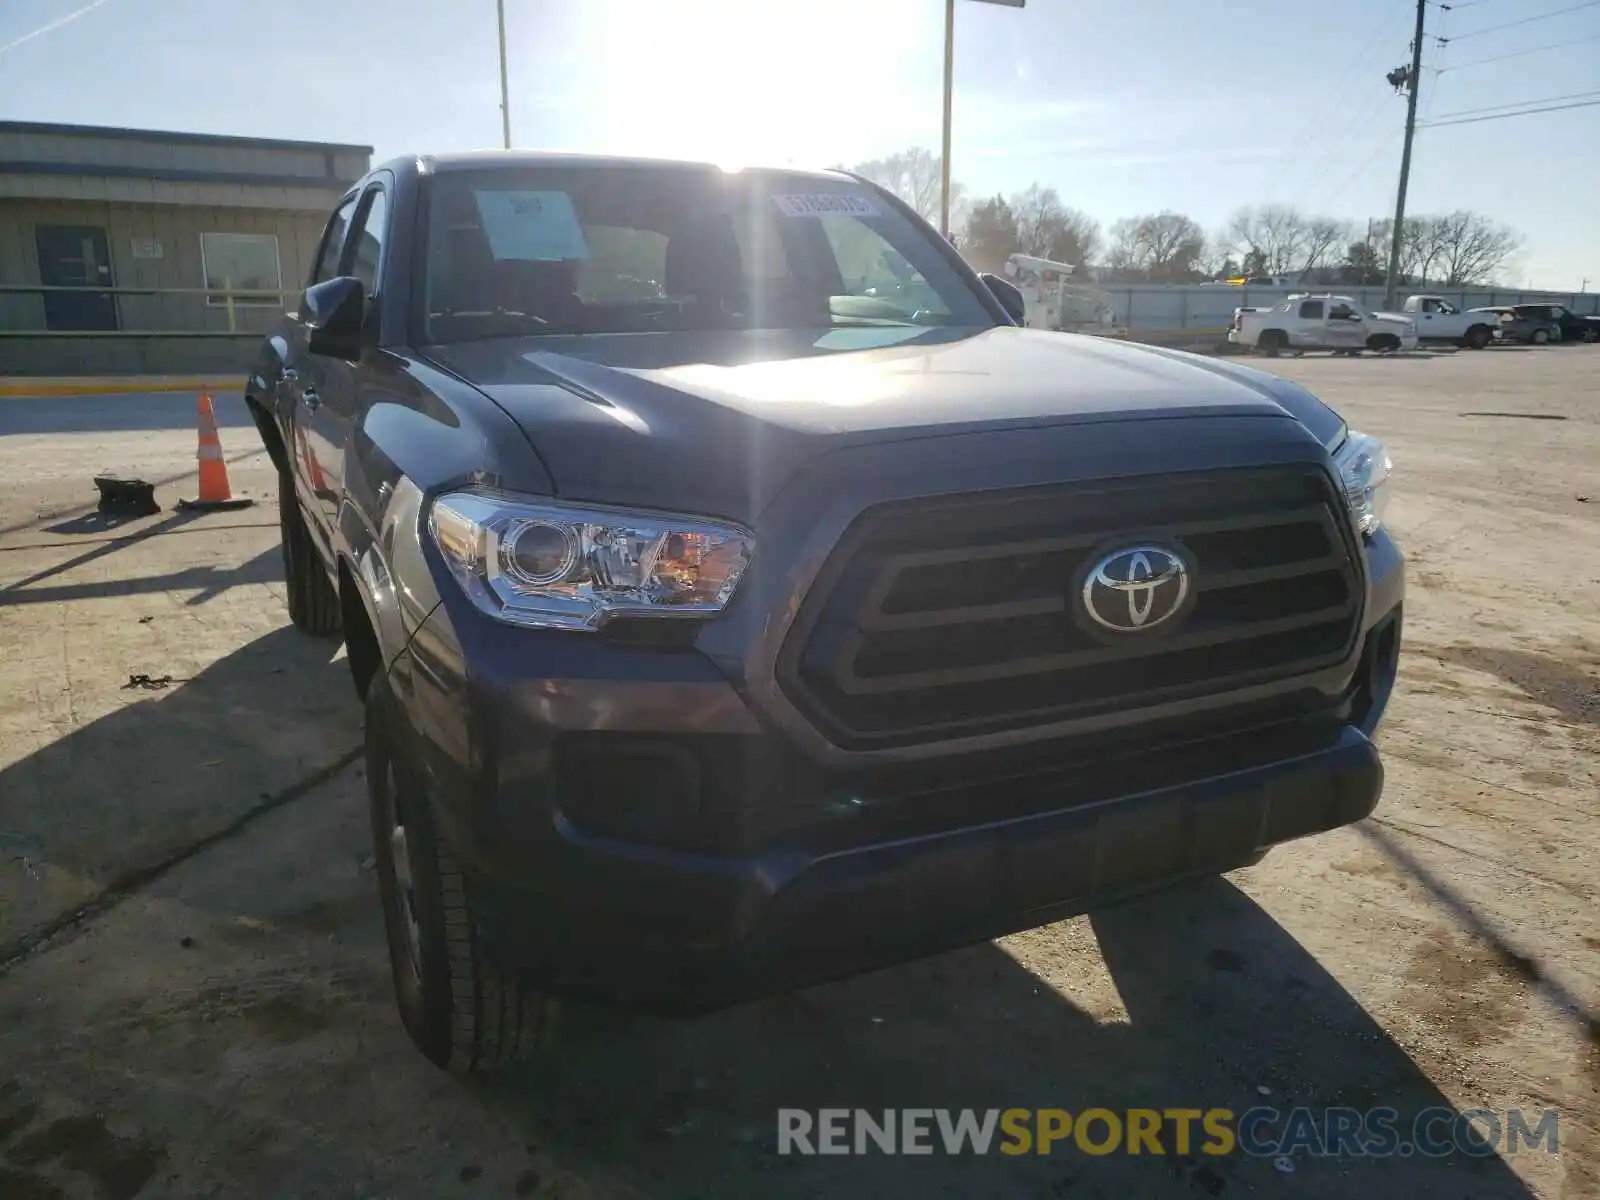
{"points": [[640, 833]]}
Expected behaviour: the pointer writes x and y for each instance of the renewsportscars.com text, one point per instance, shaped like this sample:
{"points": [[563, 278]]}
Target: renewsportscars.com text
{"points": [[1262, 1131]]}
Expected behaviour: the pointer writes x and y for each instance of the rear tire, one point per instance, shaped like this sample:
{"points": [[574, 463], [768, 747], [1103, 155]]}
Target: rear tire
{"points": [[1540, 337], [313, 600], [1478, 337], [1272, 343], [459, 1008]]}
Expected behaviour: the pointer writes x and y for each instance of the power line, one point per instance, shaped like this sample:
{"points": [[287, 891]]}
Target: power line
{"points": [[1479, 62], [1329, 161], [1560, 12], [1526, 112], [1301, 163], [1467, 112], [1443, 48], [1383, 144]]}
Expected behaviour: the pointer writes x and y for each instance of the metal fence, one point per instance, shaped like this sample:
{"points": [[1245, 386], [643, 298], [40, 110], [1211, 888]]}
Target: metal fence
{"points": [[149, 312], [1207, 309]]}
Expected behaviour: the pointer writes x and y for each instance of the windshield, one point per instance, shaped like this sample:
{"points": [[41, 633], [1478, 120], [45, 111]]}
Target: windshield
{"points": [[609, 249]]}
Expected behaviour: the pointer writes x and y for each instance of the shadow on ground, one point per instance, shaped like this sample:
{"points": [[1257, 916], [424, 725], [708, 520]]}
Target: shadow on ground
{"points": [[97, 809], [1224, 1009], [129, 412]]}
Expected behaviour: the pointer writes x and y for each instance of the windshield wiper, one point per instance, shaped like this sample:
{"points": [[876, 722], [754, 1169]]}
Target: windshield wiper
{"points": [[885, 322]]}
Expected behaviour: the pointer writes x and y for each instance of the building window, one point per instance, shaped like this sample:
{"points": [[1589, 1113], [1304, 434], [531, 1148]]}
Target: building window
{"points": [[241, 262]]}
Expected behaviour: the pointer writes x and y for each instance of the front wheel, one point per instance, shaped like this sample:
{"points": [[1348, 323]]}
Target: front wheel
{"points": [[459, 1008], [1478, 337], [1383, 343], [1541, 337]]}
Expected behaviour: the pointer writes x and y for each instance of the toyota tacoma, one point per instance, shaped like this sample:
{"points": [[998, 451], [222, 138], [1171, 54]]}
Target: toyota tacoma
{"points": [[741, 599]]}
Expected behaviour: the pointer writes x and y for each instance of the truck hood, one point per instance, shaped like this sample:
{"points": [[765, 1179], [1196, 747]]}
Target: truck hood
{"points": [[717, 423]]}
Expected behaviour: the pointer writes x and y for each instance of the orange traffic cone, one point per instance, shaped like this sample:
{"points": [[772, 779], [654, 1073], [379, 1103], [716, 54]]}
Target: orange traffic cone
{"points": [[214, 490]]}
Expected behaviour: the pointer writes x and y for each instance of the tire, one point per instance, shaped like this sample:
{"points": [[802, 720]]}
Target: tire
{"points": [[1383, 343], [313, 600], [1540, 337], [1478, 337], [1272, 343], [458, 1007]]}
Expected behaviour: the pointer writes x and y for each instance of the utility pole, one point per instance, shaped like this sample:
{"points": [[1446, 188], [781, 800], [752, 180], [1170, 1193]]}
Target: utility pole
{"points": [[1412, 82], [949, 89], [505, 96]]}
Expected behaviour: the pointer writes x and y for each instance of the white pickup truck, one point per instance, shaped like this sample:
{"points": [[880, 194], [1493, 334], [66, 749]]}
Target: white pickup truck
{"points": [[1438, 320], [1320, 323]]}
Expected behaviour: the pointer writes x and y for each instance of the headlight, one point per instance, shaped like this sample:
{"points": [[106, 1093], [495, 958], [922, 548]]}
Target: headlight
{"points": [[1364, 469], [559, 566]]}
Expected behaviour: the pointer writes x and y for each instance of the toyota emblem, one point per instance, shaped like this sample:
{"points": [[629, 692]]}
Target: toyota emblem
{"points": [[1137, 589]]}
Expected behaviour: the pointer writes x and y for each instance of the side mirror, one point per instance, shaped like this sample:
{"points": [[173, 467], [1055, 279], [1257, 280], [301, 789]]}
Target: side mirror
{"points": [[335, 312], [1008, 295]]}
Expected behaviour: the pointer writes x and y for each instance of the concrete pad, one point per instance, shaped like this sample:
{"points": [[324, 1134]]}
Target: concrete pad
{"points": [[100, 777], [228, 1030]]}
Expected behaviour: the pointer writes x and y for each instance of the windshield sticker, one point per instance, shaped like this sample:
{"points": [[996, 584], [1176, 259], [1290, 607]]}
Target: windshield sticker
{"points": [[531, 226], [820, 204]]}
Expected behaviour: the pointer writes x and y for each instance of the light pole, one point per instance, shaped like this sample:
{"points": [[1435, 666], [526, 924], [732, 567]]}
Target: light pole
{"points": [[949, 90], [505, 97]]}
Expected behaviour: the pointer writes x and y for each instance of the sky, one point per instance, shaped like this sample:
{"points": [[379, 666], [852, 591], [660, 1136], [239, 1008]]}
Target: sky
{"points": [[1200, 106]]}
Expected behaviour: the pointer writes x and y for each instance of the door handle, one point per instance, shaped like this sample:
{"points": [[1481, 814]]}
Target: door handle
{"points": [[313, 401]]}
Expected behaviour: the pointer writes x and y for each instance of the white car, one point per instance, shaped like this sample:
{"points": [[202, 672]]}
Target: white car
{"points": [[1323, 322], [1438, 320]]}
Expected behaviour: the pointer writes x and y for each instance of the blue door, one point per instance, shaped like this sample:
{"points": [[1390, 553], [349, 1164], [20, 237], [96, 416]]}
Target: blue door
{"points": [[75, 256]]}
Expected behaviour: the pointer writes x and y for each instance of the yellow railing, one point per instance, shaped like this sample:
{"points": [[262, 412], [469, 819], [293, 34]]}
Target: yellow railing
{"points": [[233, 299]]}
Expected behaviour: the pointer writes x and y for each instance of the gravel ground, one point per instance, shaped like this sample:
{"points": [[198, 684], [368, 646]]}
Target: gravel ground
{"points": [[183, 1021]]}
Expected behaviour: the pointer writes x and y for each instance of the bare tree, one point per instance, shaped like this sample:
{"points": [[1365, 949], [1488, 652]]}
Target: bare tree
{"points": [[915, 175], [1419, 246], [1123, 253], [1471, 248], [1163, 247], [1216, 260], [1326, 240], [1274, 235], [1049, 229]]}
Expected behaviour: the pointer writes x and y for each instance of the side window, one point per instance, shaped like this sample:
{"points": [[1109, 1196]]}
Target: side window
{"points": [[869, 265], [365, 253], [1311, 310], [327, 265], [1341, 312]]}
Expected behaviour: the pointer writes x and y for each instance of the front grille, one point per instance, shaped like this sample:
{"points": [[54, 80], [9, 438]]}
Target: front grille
{"points": [[954, 616]]}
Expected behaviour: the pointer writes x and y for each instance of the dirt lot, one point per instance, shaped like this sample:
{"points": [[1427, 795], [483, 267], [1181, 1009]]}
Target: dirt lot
{"points": [[194, 999]]}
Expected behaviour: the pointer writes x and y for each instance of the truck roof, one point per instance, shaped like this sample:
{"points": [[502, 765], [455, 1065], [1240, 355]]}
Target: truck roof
{"points": [[479, 160]]}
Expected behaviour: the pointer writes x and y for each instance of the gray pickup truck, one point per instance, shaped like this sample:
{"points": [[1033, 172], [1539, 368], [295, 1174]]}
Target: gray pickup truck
{"points": [[741, 600]]}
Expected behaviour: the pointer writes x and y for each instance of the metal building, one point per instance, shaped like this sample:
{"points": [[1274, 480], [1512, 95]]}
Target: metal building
{"points": [[134, 251]]}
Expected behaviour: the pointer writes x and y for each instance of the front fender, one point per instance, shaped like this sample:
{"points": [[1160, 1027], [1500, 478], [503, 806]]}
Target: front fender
{"points": [[384, 560], [264, 397], [415, 437]]}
